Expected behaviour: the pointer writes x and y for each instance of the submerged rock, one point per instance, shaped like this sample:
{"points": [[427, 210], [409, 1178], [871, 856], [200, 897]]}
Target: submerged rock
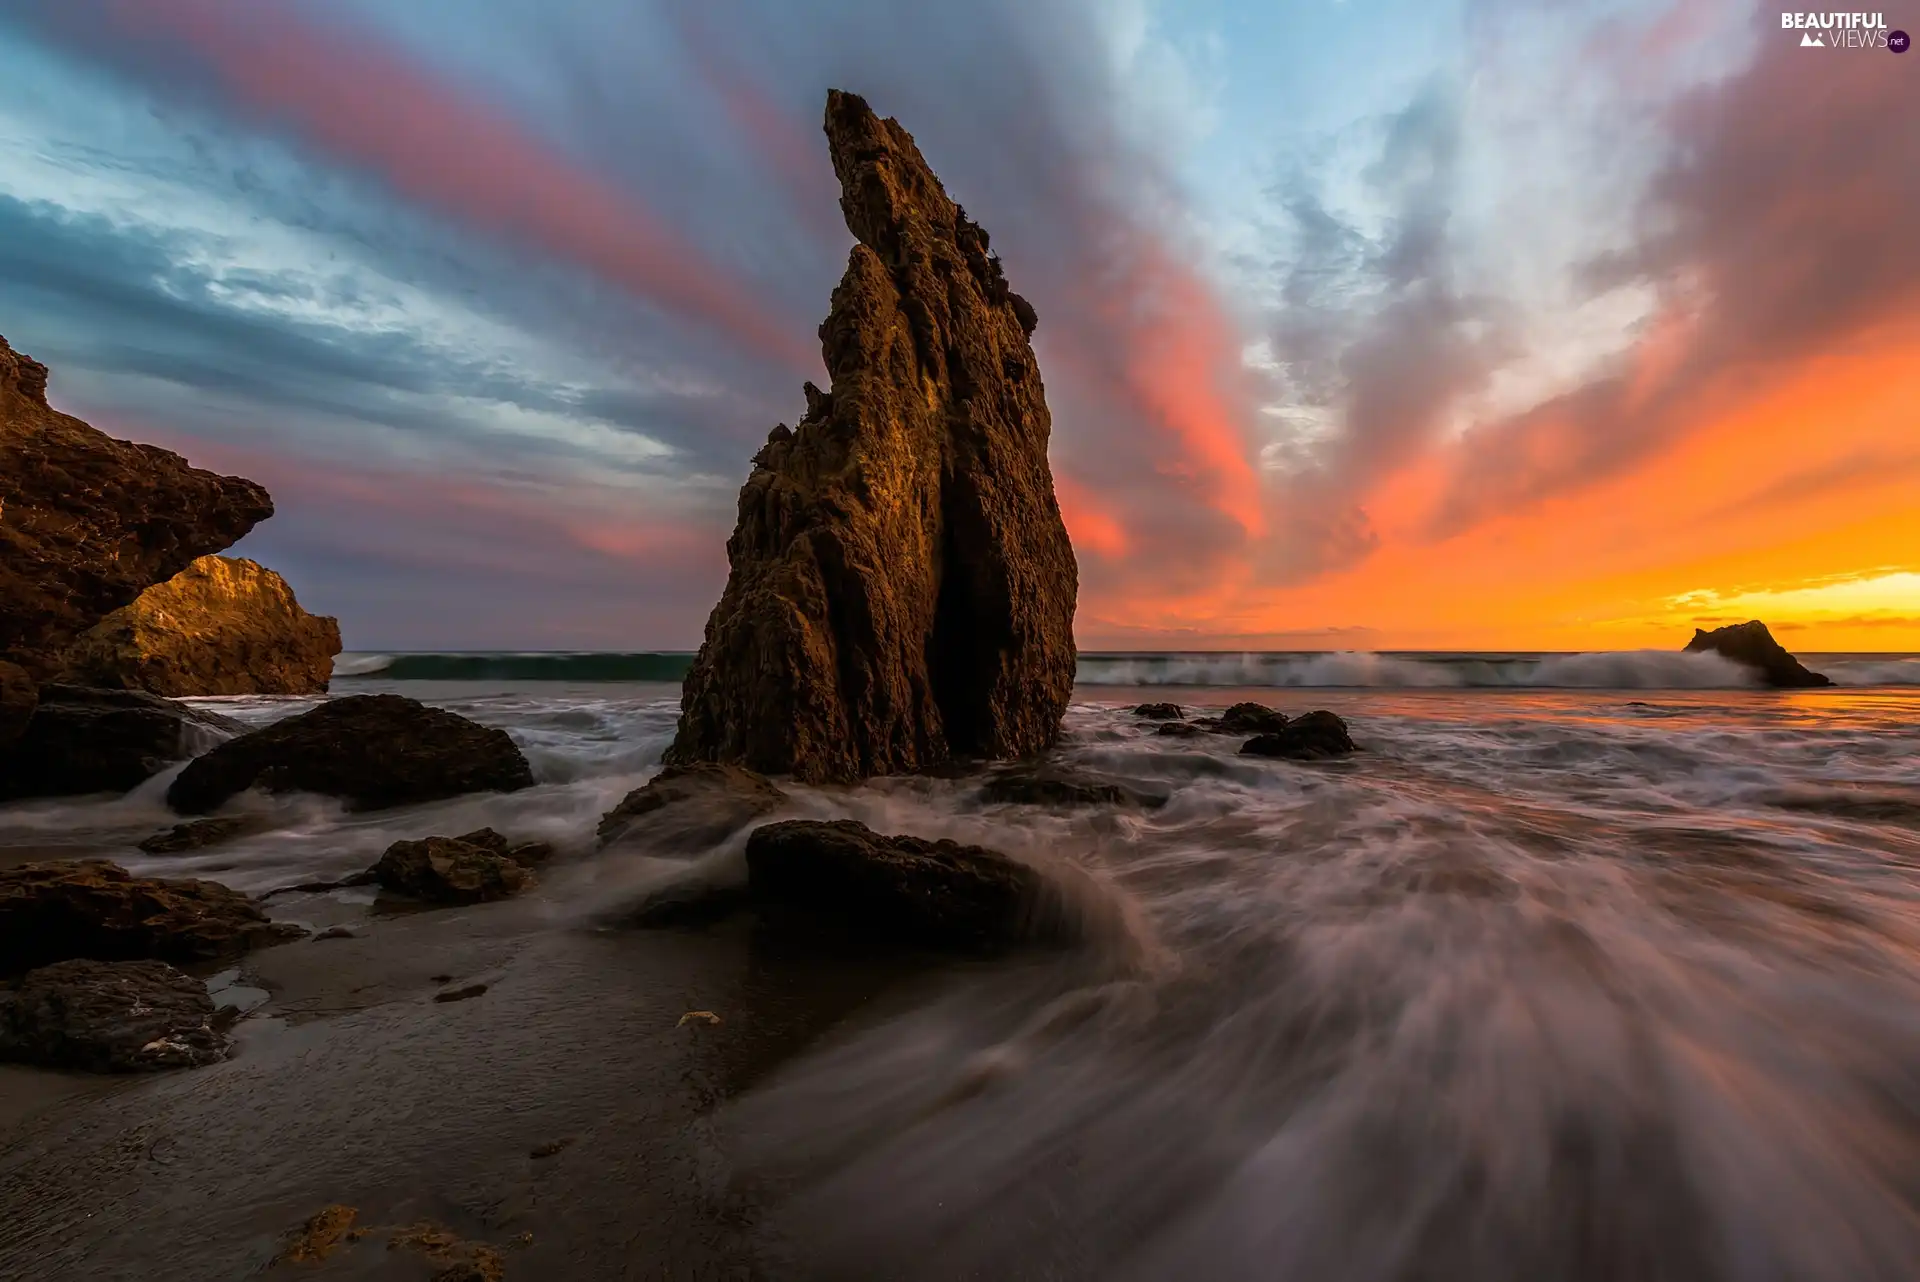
{"points": [[1312, 735], [87, 523], [688, 808], [901, 588], [1050, 785], [1182, 729], [446, 870], [198, 834], [1752, 645], [1251, 718], [223, 625], [525, 853], [94, 909], [373, 750], [85, 741], [109, 1017], [905, 889], [1159, 711], [19, 694]]}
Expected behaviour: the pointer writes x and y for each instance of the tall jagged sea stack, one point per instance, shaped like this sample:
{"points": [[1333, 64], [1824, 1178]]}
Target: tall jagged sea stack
{"points": [[901, 589]]}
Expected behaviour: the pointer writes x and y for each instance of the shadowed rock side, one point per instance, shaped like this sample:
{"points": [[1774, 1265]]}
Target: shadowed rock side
{"points": [[373, 750], [110, 1017], [87, 522], [901, 588], [1751, 644], [19, 694], [685, 809], [82, 741], [93, 909], [223, 625]]}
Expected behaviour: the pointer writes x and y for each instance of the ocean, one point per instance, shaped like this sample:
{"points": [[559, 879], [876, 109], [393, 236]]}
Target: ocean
{"points": [[1588, 966]]}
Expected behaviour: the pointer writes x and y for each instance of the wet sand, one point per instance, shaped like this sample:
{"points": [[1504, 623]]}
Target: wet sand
{"points": [[353, 1085]]}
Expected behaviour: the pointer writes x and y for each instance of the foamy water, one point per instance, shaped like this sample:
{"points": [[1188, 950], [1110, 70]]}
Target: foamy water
{"points": [[1545, 984]]}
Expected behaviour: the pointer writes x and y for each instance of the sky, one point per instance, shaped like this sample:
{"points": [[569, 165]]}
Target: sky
{"points": [[1365, 324]]}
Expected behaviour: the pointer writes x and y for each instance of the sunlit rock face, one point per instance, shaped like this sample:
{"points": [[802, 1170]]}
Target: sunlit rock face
{"points": [[88, 522], [902, 588], [222, 626]]}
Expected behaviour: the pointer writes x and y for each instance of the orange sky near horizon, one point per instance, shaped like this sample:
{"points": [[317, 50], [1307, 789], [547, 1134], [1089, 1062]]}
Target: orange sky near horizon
{"points": [[1795, 500]]}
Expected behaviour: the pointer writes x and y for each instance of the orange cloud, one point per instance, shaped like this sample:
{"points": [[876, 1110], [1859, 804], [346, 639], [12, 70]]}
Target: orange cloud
{"points": [[373, 108]]}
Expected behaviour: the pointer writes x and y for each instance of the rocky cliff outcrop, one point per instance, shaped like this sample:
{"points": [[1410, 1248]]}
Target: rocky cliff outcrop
{"points": [[87, 522], [85, 741], [901, 588], [223, 625], [1751, 644]]}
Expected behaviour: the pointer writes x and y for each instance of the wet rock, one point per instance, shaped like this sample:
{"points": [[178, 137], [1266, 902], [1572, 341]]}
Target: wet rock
{"points": [[901, 588], [1159, 712], [222, 626], [461, 994], [1049, 785], [87, 523], [109, 1017], [689, 808], [1751, 644], [528, 854], [94, 909], [319, 1237], [552, 1148], [336, 932], [444, 870], [83, 741], [936, 894], [373, 750], [198, 834], [1182, 729], [1251, 718], [18, 695], [1308, 737]]}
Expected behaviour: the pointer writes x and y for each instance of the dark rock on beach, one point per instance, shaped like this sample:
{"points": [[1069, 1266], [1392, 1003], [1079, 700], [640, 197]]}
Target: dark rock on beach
{"points": [[373, 750], [19, 693], [1050, 785], [1159, 711], [901, 589], [1307, 737], [1752, 645], [527, 854], [1182, 729], [93, 909], [447, 870], [937, 894], [85, 741], [198, 834], [222, 626], [689, 808], [1251, 718], [91, 522], [109, 1017]]}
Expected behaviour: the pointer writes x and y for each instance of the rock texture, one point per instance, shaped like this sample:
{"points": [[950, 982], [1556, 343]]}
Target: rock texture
{"points": [[1250, 718], [373, 750], [688, 808], [901, 589], [110, 1017], [223, 625], [198, 834], [1053, 785], [1308, 737], [19, 693], [448, 870], [93, 909], [903, 889], [84, 741], [1751, 644], [87, 523], [1160, 712]]}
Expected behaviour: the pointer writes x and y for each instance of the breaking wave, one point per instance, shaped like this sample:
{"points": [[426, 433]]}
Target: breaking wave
{"points": [[1598, 670]]}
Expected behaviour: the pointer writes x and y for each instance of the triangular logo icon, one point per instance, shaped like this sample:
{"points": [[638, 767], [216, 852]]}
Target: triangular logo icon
{"points": [[1811, 41]]}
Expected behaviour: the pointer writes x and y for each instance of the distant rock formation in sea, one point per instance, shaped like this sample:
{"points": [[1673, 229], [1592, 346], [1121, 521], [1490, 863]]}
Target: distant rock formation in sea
{"points": [[1751, 644], [222, 626], [87, 522], [902, 587]]}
